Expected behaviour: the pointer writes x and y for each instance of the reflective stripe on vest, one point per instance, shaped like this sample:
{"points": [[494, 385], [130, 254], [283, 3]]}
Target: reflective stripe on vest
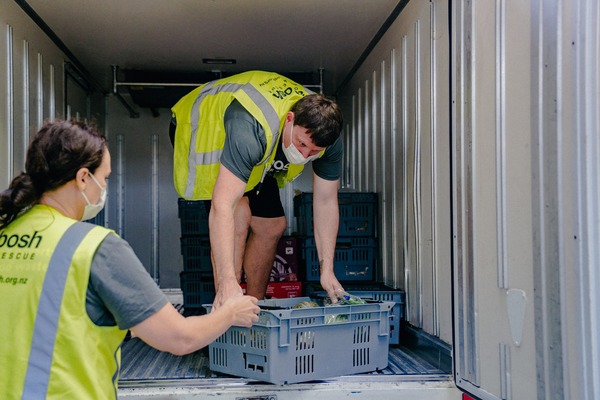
{"points": [[48, 312], [212, 157]]}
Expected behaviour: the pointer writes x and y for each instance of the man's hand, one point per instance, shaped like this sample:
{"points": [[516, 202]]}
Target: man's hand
{"points": [[227, 289], [330, 283]]}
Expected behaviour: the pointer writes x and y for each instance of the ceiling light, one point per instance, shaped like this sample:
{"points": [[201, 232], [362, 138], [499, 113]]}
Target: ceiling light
{"points": [[219, 60]]}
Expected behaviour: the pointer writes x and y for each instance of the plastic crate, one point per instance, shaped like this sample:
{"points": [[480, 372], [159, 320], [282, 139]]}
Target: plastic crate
{"points": [[374, 291], [196, 253], [297, 345], [355, 259], [358, 213], [193, 217], [198, 288]]}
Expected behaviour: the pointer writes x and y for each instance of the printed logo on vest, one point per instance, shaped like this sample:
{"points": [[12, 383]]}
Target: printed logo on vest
{"points": [[282, 87], [18, 242], [278, 166]]}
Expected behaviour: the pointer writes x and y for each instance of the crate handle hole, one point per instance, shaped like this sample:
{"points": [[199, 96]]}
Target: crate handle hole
{"points": [[255, 367]]}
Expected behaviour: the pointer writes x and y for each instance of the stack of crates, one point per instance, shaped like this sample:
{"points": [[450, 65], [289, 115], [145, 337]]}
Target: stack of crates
{"points": [[356, 251], [196, 279]]}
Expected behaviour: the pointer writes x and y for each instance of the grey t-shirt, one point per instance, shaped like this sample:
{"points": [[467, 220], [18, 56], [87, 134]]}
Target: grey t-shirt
{"points": [[245, 145], [120, 290]]}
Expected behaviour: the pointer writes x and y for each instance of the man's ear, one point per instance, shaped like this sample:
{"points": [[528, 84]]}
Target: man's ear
{"points": [[289, 116]]}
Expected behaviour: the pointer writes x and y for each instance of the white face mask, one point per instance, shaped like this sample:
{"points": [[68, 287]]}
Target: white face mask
{"points": [[91, 210], [293, 155]]}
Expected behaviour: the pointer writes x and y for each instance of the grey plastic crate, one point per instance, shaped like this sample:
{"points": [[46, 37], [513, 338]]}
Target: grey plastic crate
{"points": [[383, 294], [298, 345]]}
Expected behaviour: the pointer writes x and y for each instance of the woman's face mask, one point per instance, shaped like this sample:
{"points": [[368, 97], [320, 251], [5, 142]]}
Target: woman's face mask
{"points": [[91, 210], [293, 155]]}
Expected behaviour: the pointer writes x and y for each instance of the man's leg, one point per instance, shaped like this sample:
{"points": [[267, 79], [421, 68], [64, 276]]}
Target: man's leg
{"points": [[261, 248], [241, 217]]}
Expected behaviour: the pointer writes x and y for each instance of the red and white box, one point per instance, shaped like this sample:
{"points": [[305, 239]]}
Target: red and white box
{"points": [[281, 290]]}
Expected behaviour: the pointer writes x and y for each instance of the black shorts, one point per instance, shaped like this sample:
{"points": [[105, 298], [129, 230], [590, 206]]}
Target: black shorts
{"points": [[266, 203]]}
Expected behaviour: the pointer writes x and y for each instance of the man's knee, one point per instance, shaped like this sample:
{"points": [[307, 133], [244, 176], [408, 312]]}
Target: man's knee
{"points": [[269, 228], [280, 226]]}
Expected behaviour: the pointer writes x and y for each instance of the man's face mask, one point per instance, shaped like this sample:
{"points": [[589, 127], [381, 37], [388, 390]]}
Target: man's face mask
{"points": [[293, 155]]}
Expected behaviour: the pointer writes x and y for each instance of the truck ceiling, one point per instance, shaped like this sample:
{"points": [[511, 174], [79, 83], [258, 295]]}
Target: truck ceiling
{"points": [[190, 36]]}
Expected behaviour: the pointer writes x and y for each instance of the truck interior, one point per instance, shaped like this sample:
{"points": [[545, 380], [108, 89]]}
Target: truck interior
{"points": [[474, 122], [131, 61]]}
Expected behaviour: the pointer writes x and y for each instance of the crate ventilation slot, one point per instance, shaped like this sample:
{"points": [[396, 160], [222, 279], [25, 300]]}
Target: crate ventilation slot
{"points": [[360, 357], [305, 364], [305, 340], [363, 317], [304, 321], [237, 337], [222, 338], [362, 334], [219, 356], [258, 339]]}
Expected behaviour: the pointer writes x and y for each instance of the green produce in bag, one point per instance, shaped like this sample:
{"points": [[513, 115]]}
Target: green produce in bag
{"points": [[344, 299], [306, 304]]}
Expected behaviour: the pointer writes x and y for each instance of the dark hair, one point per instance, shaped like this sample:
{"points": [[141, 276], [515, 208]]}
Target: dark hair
{"points": [[321, 117], [56, 152]]}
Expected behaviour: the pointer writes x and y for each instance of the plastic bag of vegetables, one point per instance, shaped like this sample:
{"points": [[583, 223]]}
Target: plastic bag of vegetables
{"points": [[306, 304], [344, 299]]}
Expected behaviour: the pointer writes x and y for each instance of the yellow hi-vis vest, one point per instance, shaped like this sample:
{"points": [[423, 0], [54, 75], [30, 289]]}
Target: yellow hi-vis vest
{"points": [[200, 132], [50, 348]]}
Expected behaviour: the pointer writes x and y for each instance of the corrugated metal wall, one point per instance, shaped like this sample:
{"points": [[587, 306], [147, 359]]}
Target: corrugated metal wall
{"points": [[35, 85], [31, 86], [397, 142]]}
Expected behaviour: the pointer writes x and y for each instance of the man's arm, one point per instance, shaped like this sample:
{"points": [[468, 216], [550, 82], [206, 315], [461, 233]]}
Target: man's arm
{"points": [[227, 193], [326, 218]]}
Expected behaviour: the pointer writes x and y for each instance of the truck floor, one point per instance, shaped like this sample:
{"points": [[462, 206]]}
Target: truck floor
{"points": [[418, 354], [142, 362]]}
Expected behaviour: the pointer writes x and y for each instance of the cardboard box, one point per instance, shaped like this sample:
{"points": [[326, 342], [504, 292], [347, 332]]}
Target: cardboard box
{"points": [[281, 290], [285, 266]]}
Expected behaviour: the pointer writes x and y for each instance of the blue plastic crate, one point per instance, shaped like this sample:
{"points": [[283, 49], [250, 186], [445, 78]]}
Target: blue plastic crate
{"points": [[193, 217], [198, 288], [298, 345], [196, 253], [375, 291], [358, 213], [355, 259]]}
